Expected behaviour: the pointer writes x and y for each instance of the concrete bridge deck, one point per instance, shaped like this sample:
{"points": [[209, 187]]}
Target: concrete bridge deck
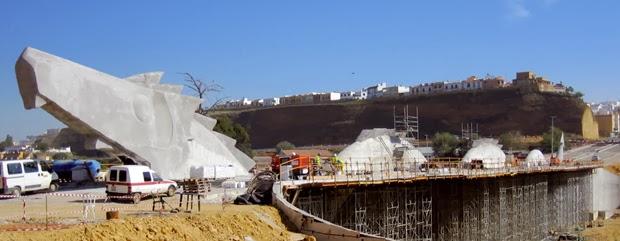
{"points": [[408, 172]]}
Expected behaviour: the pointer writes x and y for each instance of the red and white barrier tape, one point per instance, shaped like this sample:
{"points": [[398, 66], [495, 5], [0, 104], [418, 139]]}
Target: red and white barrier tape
{"points": [[40, 227], [79, 195]]}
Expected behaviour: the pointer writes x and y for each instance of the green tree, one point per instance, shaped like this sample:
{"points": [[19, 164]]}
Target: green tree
{"points": [[40, 145], [579, 95], [512, 140], [236, 131], [284, 145], [545, 145], [8, 142], [444, 144]]}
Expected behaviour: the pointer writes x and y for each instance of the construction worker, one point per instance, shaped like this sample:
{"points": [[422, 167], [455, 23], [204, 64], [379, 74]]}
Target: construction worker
{"points": [[317, 164], [338, 164]]}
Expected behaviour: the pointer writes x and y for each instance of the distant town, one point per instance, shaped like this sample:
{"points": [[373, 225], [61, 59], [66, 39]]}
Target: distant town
{"points": [[382, 90]]}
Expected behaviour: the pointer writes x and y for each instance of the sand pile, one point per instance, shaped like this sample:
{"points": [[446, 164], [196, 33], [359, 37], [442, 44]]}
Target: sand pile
{"points": [[213, 223]]}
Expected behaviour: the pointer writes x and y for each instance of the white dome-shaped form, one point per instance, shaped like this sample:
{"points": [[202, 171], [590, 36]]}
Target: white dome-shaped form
{"points": [[414, 155], [490, 154], [535, 158], [375, 153]]}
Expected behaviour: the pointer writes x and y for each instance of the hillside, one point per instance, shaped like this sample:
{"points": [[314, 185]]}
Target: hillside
{"points": [[496, 112]]}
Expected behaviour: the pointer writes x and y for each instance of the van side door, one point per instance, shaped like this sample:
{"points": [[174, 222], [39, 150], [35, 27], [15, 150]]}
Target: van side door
{"points": [[44, 175], [149, 185], [32, 176], [123, 179], [159, 183]]}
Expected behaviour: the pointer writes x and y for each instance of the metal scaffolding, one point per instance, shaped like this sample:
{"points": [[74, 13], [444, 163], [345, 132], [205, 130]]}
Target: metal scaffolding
{"points": [[406, 125], [522, 207]]}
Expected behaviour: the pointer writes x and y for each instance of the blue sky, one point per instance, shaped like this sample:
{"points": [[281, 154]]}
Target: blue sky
{"points": [[272, 48]]}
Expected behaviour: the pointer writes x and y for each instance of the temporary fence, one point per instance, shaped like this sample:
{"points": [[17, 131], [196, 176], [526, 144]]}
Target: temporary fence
{"points": [[73, 208]]}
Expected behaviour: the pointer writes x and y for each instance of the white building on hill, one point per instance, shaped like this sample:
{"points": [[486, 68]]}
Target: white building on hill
{"points": [[376, 90]]}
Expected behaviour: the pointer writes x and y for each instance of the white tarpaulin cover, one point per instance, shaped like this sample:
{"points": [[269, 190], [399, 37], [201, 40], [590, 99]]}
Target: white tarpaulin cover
{"points": [[488, 151], [535, 158], [375, 152]]}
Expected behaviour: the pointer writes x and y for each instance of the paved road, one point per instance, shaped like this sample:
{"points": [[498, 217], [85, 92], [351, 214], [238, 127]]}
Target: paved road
{"points": [[609, 153]]}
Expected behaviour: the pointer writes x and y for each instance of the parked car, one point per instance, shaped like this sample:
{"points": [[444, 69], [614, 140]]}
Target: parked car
{"points": [[20, 176], [137, 182]]}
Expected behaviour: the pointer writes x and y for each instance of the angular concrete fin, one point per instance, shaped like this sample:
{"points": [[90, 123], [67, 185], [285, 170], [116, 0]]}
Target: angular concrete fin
{"points": [[190, 103], [146, 79], [176, 89], [206, 121], [228, 142], [39, 101], [93, 143], [26, 79]]}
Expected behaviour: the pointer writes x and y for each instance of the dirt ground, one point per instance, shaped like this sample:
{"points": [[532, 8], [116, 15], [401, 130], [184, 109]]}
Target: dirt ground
{"points": [[614, 168], [214, 222], [610, 231]]}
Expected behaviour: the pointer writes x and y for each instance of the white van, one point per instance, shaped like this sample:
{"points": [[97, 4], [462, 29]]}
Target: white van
{"points": [[19, 176], [137, 182]]}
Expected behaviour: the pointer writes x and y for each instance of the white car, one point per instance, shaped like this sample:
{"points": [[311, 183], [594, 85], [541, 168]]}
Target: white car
{"points": [[136, 182], [19, 176]]}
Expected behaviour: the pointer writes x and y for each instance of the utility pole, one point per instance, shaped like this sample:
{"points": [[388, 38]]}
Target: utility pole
{"points": [[552, 135]]}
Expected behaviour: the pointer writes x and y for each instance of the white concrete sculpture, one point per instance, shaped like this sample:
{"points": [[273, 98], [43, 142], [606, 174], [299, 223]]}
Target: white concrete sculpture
{"points": [[149, 122]]}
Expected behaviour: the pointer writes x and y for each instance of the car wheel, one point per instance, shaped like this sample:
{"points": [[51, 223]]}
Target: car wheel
{"points": [[137, 197], [171, 191], [17, 192], [53, 187]]}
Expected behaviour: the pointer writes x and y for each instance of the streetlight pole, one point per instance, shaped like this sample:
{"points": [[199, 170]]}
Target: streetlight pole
{"points": [[552, 134]]}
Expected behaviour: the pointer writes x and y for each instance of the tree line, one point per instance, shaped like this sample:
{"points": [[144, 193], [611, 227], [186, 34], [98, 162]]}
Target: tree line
{"points": [[446, 144]]}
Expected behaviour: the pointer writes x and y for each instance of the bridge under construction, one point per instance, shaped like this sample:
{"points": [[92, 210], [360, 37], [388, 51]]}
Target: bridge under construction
{"points": [[456, 203]]}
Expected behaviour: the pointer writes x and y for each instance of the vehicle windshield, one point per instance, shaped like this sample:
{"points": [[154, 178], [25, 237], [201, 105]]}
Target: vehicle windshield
{"points": [[156, 177]]}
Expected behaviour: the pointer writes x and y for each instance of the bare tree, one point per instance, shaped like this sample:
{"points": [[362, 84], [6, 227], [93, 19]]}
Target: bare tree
{"points": [[201, 90]]}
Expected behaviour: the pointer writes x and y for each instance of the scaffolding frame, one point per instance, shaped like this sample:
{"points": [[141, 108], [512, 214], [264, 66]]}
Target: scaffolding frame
{"points": [[406, 125], [521, 207]]}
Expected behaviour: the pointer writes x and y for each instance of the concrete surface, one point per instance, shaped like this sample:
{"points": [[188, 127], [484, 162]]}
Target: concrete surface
{"points": [[606, 185]]}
